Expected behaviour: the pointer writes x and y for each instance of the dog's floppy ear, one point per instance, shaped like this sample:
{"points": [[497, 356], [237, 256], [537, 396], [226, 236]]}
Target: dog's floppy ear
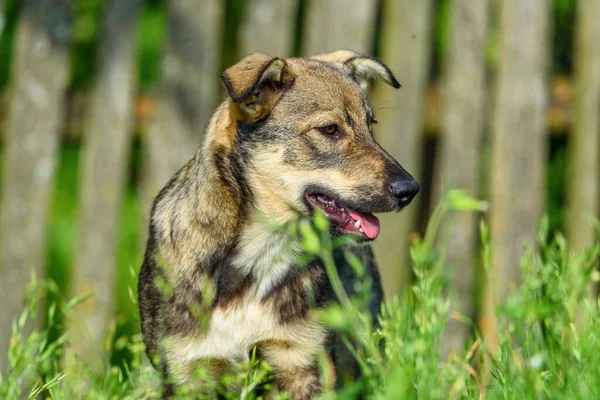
{"points": [[362, 68], [256, 83]]}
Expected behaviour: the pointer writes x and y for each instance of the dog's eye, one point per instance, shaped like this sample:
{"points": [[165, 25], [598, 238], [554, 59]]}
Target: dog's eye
{"points": [[329, 129]]}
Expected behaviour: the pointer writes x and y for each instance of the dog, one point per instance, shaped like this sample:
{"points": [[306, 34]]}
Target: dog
{"points": [[220, 275]]}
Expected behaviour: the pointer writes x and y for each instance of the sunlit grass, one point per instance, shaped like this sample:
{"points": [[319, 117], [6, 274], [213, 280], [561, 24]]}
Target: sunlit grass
{"points": [[548, 329]]}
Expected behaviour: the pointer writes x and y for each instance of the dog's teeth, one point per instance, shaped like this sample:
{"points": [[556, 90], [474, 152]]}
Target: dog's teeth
{"points": [[357, 225], [361, 230]]}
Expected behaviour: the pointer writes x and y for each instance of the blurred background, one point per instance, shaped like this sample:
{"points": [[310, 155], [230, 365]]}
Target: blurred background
{"points": [[101, 101]]}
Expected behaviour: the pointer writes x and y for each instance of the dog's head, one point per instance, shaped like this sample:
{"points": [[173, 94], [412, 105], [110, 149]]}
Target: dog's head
{"points": [[304, 129]]}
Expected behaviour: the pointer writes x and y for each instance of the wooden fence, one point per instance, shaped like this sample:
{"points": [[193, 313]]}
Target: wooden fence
{"points": [[507, 103]]}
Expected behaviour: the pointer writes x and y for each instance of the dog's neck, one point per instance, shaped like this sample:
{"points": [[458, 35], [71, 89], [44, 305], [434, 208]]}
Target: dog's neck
{"points": [[266, 252], [265, 247], [221, 166]]}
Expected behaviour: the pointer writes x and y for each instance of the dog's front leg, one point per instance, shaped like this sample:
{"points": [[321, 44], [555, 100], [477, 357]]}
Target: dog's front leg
{"points": [[295, 368]]}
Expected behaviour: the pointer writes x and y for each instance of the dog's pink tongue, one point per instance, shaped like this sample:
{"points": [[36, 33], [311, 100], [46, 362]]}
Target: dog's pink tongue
{"points": [[368, 222]]}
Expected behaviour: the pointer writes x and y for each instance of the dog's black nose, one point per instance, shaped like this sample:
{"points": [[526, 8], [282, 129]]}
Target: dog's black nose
{"points": [[404, 190]]}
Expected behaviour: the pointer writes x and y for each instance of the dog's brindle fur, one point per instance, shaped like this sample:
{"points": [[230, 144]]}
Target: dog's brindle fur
{"points": [[212, 237]]}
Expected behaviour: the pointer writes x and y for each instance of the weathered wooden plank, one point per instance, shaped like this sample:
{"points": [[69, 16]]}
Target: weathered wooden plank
{"points": [[40, 77], [106, 149], [559, 116], [268, 27], [460, 150], [519, 151], [339, 24], [583, 192], [189, 92], [405, 49]]}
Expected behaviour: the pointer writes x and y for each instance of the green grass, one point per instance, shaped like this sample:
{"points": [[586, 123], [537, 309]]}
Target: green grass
{"points": [[151, 37], [549, 335]]}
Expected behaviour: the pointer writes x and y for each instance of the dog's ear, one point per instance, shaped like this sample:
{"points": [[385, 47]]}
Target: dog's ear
{"points": [[365, 69], [362, 68], [256, 83]]}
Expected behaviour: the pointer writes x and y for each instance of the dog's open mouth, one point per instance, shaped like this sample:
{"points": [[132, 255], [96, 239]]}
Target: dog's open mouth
{"points": [[345, 219]]}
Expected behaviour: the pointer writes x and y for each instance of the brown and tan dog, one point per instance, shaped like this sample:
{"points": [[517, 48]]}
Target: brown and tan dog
{"points": [[219, 276]]}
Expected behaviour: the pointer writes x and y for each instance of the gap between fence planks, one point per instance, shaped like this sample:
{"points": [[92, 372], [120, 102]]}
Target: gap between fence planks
{"points": [[460, 150], [518, 140], [104, 168], [34, 122], [405, 49]]}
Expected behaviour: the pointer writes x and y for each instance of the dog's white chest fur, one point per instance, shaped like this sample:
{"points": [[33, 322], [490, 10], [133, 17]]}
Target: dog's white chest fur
{"points": [[235, 329], [267, 255]]}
